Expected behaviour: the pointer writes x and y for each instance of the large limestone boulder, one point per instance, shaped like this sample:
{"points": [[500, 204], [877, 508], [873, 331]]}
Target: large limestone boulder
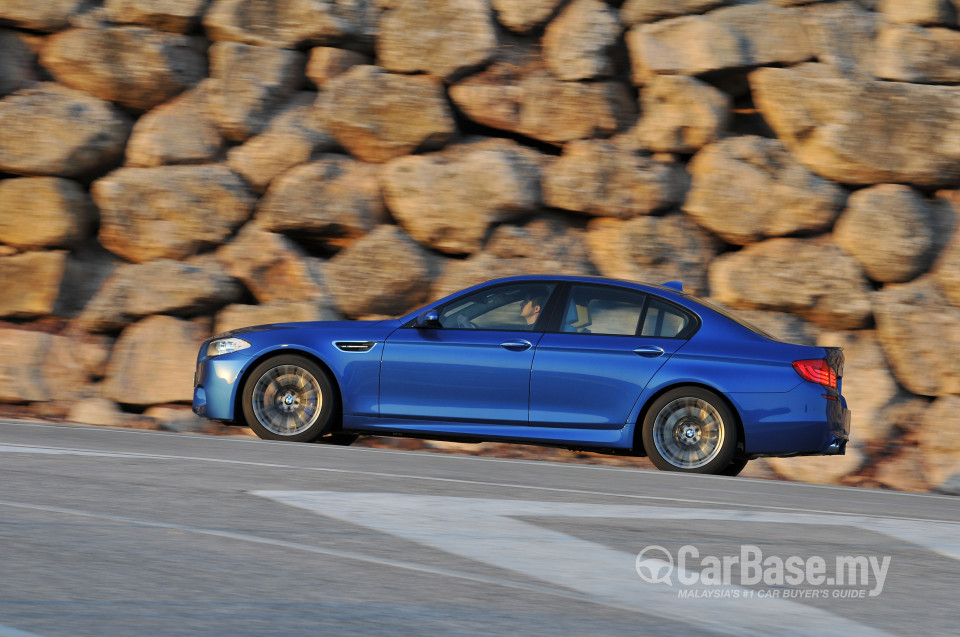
{"points": [[50, 129], [946, 271], [681, 114], [863, 132], [44, 212], [41, 15], [449, 200], [603, 179], [544, 245], [378, 115], [291, 138], [16, 63], [689, 45], [868, 384], [729, 38], [327, 62], [908, 53], [922, 12], [641, 11], [290, 23], [180, 131], [540, 106], [159, 287], [236, 316], [813, 279], [333, 199], [458, 274], [819, 469], [31, 283], [101, 412], [939, 440], [272, 266], [154, 361], [578, 44], [170, 211], [37, 366], [546, 238], [889, 229], [788, 328], [176, 16], [250, 84], [135, 67], [920, 333], [775, 195], [386, 272], [522, 16], [442, 38], [843, 35], [653, 250]]}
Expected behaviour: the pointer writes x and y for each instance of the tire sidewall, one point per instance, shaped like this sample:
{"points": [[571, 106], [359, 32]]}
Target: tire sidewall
{"points": [[728, 446], [328, 408]]}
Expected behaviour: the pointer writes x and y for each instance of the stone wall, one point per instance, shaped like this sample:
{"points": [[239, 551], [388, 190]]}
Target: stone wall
{"points": [[169, 170]]}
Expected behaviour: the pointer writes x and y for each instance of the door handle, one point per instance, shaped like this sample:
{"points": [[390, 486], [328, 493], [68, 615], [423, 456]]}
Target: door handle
{"points": [[649, 351], [518, 345]]}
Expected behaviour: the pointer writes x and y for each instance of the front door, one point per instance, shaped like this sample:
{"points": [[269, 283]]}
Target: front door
{"points": [[475, 367]]}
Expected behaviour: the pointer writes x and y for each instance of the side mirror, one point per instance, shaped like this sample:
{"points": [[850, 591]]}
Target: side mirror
{"points": [[429, 320]]}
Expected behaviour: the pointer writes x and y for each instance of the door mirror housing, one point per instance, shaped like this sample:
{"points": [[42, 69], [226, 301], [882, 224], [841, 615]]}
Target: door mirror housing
{"points": [[429, 320]]}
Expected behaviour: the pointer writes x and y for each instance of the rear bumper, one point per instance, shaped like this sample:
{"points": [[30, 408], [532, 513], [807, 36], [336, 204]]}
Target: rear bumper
{"points": [[802, 421]]}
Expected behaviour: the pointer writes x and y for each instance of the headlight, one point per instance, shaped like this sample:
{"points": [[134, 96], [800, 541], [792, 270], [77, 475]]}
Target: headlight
{"points": [[226, 346]]}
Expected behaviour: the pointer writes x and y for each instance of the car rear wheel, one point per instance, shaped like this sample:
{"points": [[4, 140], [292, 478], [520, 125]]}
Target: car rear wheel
{"points": [[690, 429], [289, 398]]}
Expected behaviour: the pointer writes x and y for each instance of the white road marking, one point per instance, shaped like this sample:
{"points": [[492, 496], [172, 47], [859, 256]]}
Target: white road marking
{"points": [[486, 531], [337, 449], [9, 631], [318, 550], [404, 476]]}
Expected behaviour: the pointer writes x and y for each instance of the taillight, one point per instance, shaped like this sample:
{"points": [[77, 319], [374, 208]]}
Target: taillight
{"points": [[817, 371]]}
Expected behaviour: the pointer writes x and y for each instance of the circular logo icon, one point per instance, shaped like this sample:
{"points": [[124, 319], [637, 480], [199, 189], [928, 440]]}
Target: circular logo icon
{"points": [[655, 565]]}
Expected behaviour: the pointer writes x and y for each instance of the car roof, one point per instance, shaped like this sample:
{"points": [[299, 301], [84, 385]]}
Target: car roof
{"points": [[663, 291], [579, 278]]}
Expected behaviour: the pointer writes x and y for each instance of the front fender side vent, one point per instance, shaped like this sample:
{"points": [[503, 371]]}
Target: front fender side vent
{"points": [[355, 346]]}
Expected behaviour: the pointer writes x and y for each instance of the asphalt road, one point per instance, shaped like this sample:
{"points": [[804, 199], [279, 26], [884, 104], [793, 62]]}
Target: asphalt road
{"points": [[120, 532]]}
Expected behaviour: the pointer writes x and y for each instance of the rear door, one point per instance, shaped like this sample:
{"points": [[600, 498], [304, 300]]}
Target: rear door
{"points": [[609, 343]]}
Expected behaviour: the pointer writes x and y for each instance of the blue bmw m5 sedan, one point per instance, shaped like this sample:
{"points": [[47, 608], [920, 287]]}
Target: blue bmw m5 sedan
{"points": [[579, 362]]}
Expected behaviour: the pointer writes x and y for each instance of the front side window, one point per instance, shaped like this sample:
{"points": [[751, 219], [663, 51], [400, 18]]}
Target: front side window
{"points": [[602, 310], [510, 307]]}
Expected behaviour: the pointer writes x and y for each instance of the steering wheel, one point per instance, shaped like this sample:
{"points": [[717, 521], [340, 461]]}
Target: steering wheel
{"points": [[465, 323]]}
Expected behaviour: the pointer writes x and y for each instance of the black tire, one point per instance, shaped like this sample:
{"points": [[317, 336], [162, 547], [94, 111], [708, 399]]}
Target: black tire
{"points": [[290, 397], [691, 430], [339, 438], [734, 468]]}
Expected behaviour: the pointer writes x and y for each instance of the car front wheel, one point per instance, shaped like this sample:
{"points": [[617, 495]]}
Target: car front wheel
{"points": [[289, 398], [690, 429]]}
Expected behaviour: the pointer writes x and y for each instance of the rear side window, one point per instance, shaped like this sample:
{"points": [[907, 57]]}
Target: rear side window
{"points": [[663, 320], [602, 310]]}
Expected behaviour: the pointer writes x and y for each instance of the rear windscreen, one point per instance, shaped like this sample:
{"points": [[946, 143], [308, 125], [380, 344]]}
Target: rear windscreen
{"points": [[733, 317]]}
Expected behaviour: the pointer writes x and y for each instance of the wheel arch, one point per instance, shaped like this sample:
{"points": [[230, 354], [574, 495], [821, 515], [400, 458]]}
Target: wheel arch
{"points": [[638, 428], [275, 353]]}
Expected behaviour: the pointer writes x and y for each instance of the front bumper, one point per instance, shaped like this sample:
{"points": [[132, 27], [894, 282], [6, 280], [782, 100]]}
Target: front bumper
{"points": [[215, 385]]}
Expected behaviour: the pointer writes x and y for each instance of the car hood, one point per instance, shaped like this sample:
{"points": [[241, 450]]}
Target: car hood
{"points": [[315, 325]]}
